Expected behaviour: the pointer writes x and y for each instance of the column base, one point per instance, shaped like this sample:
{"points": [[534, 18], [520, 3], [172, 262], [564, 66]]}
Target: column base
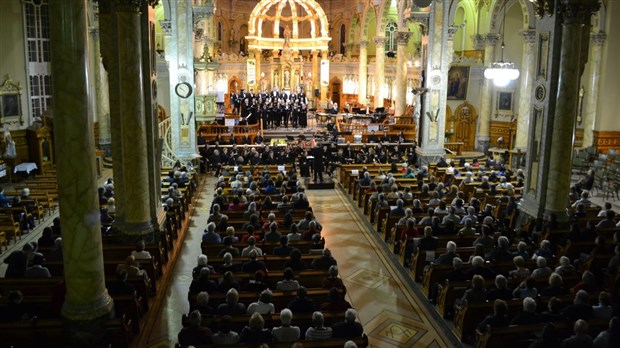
{"points": [[88, 333], [133, 232], [430, 155], [483, 143], [86, 312]]}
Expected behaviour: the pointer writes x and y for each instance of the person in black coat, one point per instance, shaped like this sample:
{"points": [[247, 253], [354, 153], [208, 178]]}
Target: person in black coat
{"points": [[349, 328], [317, 163], [497, 319]]}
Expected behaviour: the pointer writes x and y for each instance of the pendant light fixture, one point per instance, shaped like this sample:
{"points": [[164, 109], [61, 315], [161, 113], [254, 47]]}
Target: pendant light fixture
{"points": [[502, 72]]}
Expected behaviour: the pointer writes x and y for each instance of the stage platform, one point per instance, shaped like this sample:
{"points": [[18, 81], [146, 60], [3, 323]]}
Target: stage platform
{"points": [[327, 184]]}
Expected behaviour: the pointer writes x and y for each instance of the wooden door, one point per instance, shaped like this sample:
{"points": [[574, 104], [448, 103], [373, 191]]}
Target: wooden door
{"points": [[464, 124]]}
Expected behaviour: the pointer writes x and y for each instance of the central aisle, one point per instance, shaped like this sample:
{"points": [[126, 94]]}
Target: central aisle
{"points": [[391, 314]]}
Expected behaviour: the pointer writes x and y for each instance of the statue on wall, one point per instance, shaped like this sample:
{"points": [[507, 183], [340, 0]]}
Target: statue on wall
{"points": [[287, 79]]}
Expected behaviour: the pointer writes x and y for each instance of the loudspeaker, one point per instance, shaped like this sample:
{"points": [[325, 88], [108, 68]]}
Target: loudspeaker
{"points": [[317, 93]]}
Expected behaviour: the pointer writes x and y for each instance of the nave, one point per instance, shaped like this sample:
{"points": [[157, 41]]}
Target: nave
{"points": [[392, 312]]}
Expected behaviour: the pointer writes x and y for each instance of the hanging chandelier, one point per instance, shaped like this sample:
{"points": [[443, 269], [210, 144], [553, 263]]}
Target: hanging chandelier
{"points": [[502, 72]]}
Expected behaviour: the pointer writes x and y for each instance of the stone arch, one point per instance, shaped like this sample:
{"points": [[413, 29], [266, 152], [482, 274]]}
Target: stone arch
{"points": [[497, 15]]}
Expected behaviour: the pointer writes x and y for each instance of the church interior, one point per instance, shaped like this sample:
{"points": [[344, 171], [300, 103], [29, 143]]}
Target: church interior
{"points": [[309, 173]]}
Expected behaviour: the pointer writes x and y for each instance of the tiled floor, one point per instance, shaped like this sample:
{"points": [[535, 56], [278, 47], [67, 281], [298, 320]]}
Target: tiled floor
{"points": [[393, 315]]}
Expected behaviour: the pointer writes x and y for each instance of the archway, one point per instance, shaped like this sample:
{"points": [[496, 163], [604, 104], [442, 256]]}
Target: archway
{"points": [[234, 86], [334, 91]]}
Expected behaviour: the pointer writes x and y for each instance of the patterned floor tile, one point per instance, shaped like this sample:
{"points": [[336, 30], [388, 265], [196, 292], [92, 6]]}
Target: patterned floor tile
{"points": [[367, 278], [395, 329]]}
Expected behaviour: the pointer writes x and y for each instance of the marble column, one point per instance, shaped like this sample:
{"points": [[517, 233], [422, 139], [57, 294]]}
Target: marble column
{"points": [[324, 96], [87, 303], [348, 50], [525, 89], [575, 24], [257, 56], [102, 97], [433, 114], [363, 73], [379, 70], [316, 74], [486, 104], [402, 38], [121, 38], [591, 98]]}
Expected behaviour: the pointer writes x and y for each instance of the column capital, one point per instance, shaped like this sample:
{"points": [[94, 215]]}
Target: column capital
{"points": [[492, 38], [380, 40], [478, 41], [94, 32], [166, 26], [364, 43], [598, 39], [577, 11], [451, 31], [528, 35], [402, 37]]}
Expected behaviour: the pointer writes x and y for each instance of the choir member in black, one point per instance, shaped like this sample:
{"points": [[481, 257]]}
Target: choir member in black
{"points": [[303, 114], [234, 101]]}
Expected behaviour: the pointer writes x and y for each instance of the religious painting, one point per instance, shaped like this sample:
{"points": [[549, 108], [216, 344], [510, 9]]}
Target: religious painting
{"points": [[10, 105], [458, 80]]}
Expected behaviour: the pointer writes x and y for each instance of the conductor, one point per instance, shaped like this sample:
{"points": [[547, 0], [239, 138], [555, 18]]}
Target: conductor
{"points": [[317, 163]]}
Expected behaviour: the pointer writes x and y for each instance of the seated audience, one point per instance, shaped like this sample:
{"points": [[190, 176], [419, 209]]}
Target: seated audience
{"points": [[581, 308], [580, 339], [288, 284], [302, 304], [324, 261], [296, 263], [499, 318], [263, 305], [555, 288], [349, 328], [194, 334], [253, 264], [286, 332], [232, 306], [611, 337], [528, 315], [255, 332], [225, 336], [318, 331], [501, 291]]}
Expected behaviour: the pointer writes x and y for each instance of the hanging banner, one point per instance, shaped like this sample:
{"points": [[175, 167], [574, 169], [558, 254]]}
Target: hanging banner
{"points": [[325, 72], [251, 71]]}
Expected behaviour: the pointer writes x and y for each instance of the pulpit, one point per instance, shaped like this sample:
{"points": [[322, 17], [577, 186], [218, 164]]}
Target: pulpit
{"points": [[41, 148]]}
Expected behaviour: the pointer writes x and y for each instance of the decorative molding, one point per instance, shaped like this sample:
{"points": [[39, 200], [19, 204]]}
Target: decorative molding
{"points": [[402, 37], [478, 41], [380, 40], [451, 31], [528, 36], [606, 140], [598, 39], [577, 11], [364, 43], [543, 7], [166, 26], [492, 38]]}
